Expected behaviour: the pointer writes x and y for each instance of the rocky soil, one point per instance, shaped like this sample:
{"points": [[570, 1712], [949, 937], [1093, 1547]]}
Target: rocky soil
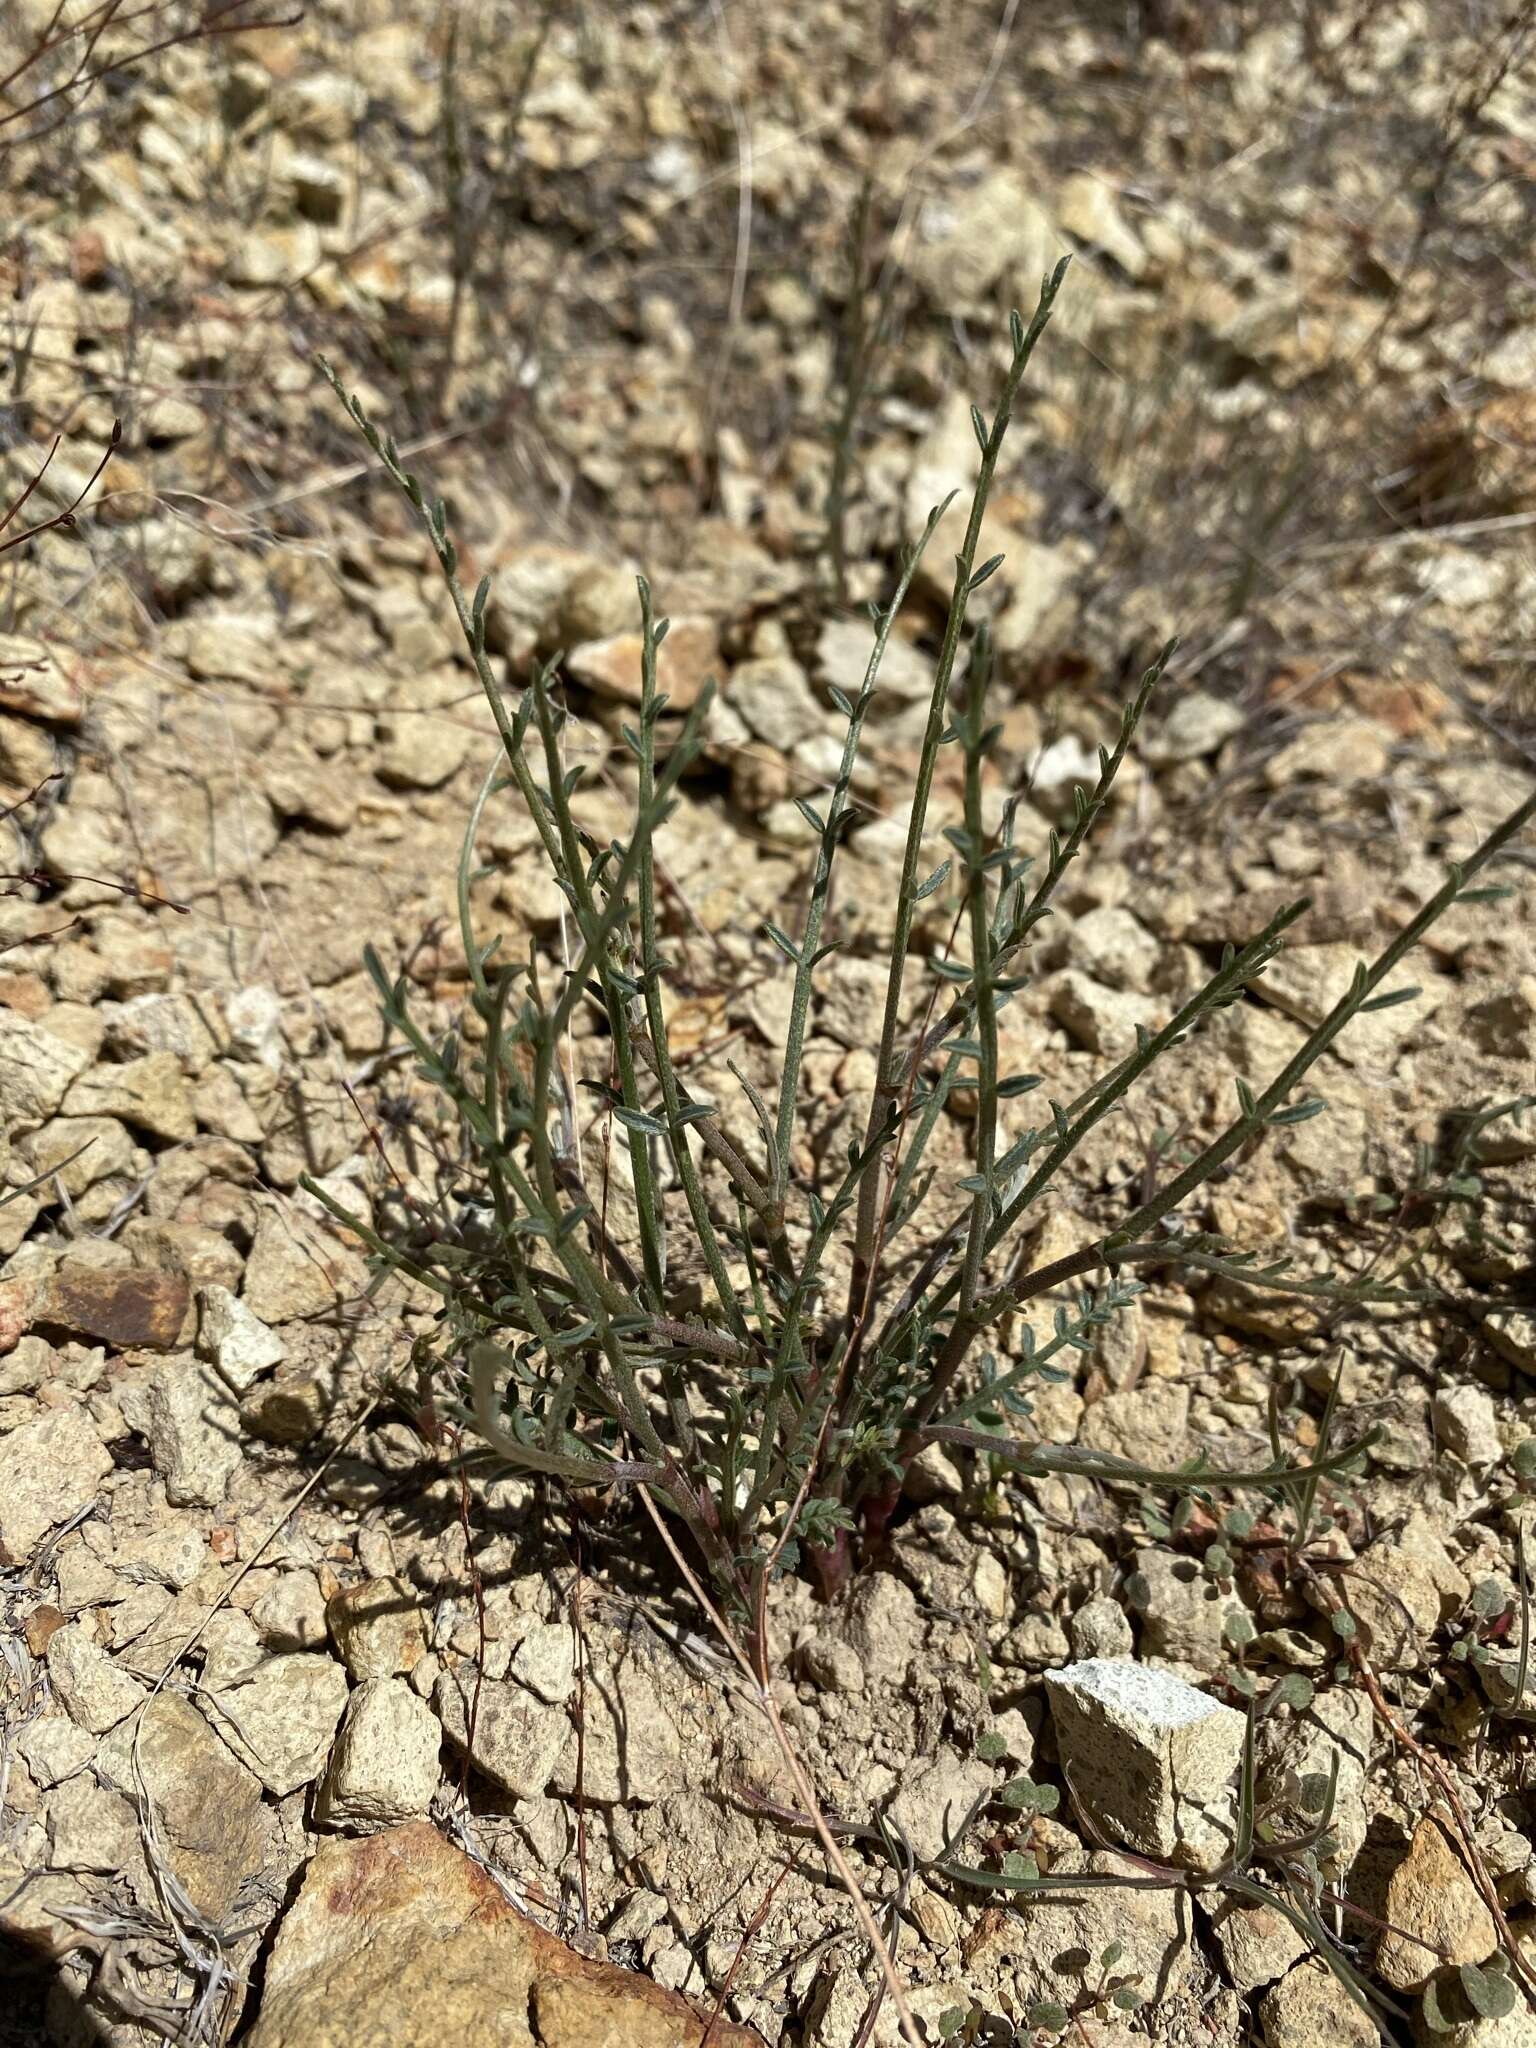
{"points": [[289, 1678]]}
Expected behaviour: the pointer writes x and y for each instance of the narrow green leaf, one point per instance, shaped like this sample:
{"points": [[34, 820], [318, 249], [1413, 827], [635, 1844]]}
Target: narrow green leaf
{"points": [[637, 1120], [783, 941]]}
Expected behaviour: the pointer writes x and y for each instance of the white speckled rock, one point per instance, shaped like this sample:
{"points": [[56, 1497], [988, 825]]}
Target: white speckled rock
{"points": [[1152, 1758]]}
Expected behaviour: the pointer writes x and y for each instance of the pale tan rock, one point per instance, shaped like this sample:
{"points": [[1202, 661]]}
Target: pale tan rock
{"points": [[515, 1739], [463, 1965], [287, 1409], [1339, 750], [280, 1719], [36, 1069], [1148, 1423], [1401, 1588], [1103, 1020], [689, 654], [96, 1693], [164, 1022], [152, 1094], [997, 232], [1309, 2008], [1431, 1895], [297, 1268], [1187, 1615], [1087, 207], [290, 1614], [234, 1340], [935, 1799], [208, 1810], [646, 1724], [78, 1151], [1051, 1950], [189, 1418], [1257, 1944], [377, 1628], [1155, 1759], [545, 1661], [49, 1467], [384, 1764], [1332, 1738]]}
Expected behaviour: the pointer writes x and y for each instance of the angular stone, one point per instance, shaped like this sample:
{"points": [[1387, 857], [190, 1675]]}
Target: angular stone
{"points": [[689, 654], [77, 1151], [36, 1070], [642, 1722], [1115, 947], [151, 1093], [1154, 1759], [289, 1409], [1339, 750], [1309, 2008], [235, 1339], [280, 1720], [297, 1268], [1257, 1944], [212, 1824], [90, 1828], [464, 1965], [1401, 1588], [126, 1309], [1187, 1615], [422, 753], [1149, 1423], [884, 1627], [831, 1663], [1051, 1950], [843, 651], [1431, 1895], [935, 1799], [95, 1692], [517, 1740], [996, 232], [1332, 1738], [33, 685], [190, 1420], [377, 1628], [776, 701], [163, 1022], [1199, 724], [290, 1615], [49, 1467], [385, 1762], [54, 1748], [255, 1019], [545, 1661], [1086, 206], [1467, 1424], [1103, 1020]]}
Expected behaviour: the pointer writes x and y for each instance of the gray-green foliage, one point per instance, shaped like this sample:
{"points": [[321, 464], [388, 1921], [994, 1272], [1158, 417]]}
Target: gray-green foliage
{"points": [[779, 1417]]}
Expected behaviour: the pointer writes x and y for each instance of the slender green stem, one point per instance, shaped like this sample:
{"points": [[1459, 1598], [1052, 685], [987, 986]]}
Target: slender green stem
{"points": [[826, 854], [597, 956], [888, 1080], [973, 728], [650, 977]]}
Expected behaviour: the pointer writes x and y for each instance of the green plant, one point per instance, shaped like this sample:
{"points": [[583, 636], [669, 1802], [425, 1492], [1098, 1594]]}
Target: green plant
{"points": [[774, 1422]]}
